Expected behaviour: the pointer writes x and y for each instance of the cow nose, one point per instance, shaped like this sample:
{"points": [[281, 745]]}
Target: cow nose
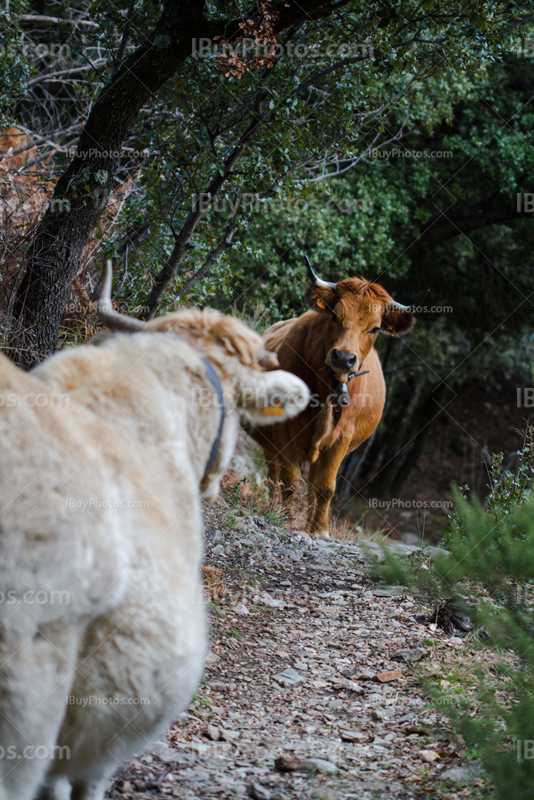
{"points": [[341, 359]]}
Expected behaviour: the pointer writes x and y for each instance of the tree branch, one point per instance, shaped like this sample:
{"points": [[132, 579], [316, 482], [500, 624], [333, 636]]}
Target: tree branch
{"points": [[337, 65], [183, 239], [53, 257], [56, 20], [442, 228], [125, 35], [209, 262], [50, 76]]}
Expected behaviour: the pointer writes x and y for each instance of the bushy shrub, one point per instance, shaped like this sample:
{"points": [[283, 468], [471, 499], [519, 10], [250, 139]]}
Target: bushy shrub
{"points": [[491, 558], [489, 570], [507, 490]]}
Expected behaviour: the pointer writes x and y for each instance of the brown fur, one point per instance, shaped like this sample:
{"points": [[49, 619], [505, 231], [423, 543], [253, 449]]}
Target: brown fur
{"points": [[323, 434]]}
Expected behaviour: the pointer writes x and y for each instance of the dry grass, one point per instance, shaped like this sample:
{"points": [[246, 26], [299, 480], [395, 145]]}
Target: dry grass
{"points": [[214, 586], [266, 500]]}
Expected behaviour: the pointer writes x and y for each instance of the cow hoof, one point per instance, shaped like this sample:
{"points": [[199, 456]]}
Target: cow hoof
{"points": [[325, 534]]}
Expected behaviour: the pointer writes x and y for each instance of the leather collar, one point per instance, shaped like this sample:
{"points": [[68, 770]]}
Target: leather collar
{"points": [[214, 378]]}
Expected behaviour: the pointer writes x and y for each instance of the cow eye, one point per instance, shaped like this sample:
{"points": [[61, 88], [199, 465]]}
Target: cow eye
{"points": [[373, 331]]}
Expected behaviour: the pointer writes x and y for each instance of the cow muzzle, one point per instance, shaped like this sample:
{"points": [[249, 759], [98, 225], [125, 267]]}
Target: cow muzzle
{"points": [[340, 361]]}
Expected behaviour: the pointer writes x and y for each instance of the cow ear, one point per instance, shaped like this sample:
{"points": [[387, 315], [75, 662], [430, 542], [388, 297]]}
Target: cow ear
{"points": [[396, 321], [267, 397], [321, 297]]}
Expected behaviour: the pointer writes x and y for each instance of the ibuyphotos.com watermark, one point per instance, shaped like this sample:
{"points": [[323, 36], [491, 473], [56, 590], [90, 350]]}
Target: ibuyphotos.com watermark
{"points": [[95, 152], [256, 48], [39, 400], [378, 309], [99, 700], [204, 397], [401, 152], [525, 397], [35, 597], [524, 595], [525, 202], [95, 502], [396, 502], [249, 202], [524, 749], [524, 47], [78, 307], [29, 50], [35, 752]]}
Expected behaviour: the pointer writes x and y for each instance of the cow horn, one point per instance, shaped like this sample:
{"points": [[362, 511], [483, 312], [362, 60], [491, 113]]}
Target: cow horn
{"points": [[408, 309], [318, 282], [112, 319], [394, 306]]}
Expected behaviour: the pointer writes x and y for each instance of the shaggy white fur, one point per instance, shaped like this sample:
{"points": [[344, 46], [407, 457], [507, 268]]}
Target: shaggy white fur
{"points": [[102, 470]]}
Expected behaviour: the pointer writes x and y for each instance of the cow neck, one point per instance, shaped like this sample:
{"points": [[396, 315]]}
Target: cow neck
{"points": [[340, 392], [216, 446]]}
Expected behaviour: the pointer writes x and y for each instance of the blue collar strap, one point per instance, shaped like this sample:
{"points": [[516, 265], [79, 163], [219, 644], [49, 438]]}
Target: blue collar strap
{"points": [[214, 378]]}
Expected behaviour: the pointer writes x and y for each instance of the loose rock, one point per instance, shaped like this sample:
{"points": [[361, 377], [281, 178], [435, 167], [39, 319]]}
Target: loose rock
{"points": [[428, 755], [288, 677], [408, 655], [391, 675], [258, 792]]}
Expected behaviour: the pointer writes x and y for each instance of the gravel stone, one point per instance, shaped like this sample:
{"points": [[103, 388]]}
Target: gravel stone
{"points": [[288, 677], [297, 679]]}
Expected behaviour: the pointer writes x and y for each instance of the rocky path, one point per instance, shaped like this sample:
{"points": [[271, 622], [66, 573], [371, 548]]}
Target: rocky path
{"points": [[312, 686]]}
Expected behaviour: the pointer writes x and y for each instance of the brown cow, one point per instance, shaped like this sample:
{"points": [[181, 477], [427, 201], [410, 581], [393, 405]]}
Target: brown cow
{"points": [[331, 348]]}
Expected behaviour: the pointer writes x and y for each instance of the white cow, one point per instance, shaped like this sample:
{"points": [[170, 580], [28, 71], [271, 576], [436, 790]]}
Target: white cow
{"points": [[105, 455]]}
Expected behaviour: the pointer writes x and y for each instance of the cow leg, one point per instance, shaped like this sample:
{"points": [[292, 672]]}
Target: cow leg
{"points": [[89, 790], [321, 487], [272, 462], [280, 468], [35, 677], [292, 479], [273, 474], [319, 504], [53, 790]]}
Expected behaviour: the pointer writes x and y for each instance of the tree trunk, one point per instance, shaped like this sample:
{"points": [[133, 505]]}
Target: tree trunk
{"points": [[83, 190]]}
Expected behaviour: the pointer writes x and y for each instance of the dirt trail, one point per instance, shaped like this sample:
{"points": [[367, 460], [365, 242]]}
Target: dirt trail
{"points": [[311, 686]]}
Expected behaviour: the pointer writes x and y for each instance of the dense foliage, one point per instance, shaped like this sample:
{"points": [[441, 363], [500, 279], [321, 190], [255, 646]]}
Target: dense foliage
{"points": [[492, 550], [278, 146], [343, 186], [489, 571], [14, 66]]}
